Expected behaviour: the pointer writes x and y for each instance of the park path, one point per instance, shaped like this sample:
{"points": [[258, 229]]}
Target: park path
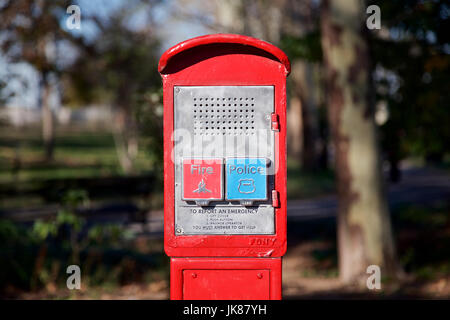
{"points": [[422, 186], [419, 186]]}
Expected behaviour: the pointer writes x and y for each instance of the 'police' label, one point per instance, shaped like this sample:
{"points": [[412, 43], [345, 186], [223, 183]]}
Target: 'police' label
{"points": [[246, 178]]}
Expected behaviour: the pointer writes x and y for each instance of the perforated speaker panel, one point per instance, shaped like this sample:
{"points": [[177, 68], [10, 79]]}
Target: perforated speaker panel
{"points": [[224, 115]]}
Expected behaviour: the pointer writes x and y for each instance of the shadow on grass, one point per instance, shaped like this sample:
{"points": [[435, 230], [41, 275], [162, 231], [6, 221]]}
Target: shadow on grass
{"points": [[51, 190]]}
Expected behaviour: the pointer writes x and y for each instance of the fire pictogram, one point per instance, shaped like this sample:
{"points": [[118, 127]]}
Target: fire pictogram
{"points": [[202, 179], [201, 188]]}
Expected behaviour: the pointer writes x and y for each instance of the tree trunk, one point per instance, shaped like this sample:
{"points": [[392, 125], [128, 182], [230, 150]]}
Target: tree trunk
{"points": [[229, 15], [303, 87], [47, 119], [363, 227], [125, 138], [294, 130]]}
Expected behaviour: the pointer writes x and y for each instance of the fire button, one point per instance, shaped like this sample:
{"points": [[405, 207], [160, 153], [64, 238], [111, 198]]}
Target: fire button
{"points": [[202, 180]]}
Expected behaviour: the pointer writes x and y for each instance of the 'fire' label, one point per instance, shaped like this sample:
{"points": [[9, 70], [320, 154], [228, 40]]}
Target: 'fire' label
{"points": [[202, 179]]}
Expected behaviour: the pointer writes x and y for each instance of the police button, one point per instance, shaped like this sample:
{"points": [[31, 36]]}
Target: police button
{"points": [[202, 180], [246, 179]]}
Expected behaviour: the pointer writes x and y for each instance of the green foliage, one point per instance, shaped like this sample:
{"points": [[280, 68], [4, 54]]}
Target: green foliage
{"points": [[36, 256], [28, 26], [65, 217], [8, 231], [110, 234], [416, 55], [438, 217], [307, 47], [75, 197], [423, 239], [42, 230], [418, 62], [17, 253]]}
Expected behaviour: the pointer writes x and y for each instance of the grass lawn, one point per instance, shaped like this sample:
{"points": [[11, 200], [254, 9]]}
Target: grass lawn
{"points": [[78, 154], [303, 184], [92, 154]]}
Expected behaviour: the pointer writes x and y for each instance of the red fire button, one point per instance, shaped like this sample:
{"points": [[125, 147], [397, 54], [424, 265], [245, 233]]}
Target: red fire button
{"points": [[202, 179]]}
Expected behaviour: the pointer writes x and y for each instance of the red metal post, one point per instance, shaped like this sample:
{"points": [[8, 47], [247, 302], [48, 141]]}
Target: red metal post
{"points": [[223, 261]]}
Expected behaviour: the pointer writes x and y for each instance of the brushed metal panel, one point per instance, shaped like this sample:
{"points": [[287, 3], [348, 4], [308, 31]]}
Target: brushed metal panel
{"points": [[223, 122]]}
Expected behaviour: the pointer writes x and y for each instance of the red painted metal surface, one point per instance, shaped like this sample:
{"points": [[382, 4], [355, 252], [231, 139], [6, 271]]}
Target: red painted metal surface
{"points": [[225, 279], [224, 266], [223, 39], [225, 60], [236, 284]]}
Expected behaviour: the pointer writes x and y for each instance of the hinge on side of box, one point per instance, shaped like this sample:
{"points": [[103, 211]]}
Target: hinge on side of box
{"points": [[275, 122], [275, 199]]}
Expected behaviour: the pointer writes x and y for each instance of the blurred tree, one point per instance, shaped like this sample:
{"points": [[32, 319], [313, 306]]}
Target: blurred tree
{"points": [[293, 26], [300, 39], [364, 228], [30, 30], [413, 69], [121, 70]]}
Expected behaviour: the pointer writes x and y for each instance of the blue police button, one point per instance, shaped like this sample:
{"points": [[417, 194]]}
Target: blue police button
{"points": [[246, 178]]}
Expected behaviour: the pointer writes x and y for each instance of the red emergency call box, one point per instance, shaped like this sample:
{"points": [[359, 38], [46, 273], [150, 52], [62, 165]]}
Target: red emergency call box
{"points": [[224, 167]]}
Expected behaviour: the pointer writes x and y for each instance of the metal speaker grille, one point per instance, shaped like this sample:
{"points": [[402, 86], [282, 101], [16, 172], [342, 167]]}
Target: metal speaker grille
{"points": [[224, 116]]}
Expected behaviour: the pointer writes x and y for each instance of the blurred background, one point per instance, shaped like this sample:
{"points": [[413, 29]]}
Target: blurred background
{"points": [[81, 143]]}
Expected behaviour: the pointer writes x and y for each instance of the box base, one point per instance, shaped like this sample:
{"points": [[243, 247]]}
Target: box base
{"points": [[225, 278]]}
